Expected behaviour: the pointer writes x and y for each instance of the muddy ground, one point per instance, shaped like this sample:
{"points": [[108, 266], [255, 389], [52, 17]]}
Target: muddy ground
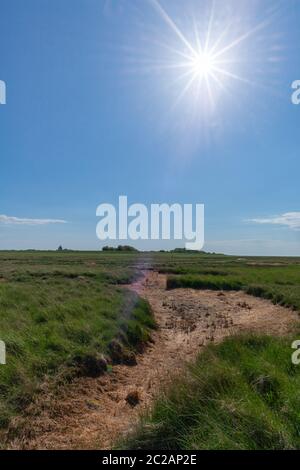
{"points": [[94, 412]]}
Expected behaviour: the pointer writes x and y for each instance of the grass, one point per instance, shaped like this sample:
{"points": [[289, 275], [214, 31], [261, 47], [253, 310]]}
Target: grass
{"points": [[207, 282], [62, 312], [241, 394], [276, 279]]}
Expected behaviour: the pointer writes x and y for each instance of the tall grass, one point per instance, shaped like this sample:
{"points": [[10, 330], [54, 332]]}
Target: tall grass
{"points": [[60, 314], [278, 282], [241, 394]]}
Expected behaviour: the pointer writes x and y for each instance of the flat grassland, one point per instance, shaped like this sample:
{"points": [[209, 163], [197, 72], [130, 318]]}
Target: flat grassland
{"points": [[242, 393], [273, 278], [65, 314]]}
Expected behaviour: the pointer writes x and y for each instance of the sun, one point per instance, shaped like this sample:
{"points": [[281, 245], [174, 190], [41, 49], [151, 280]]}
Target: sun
{"points": [[202, 65], [208, 60]]}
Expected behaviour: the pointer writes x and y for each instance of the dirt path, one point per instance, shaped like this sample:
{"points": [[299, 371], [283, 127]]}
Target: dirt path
{"points": [[93, 413]]}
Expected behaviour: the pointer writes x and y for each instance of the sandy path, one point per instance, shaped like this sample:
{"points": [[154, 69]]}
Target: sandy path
{"points": [[93, 413]]}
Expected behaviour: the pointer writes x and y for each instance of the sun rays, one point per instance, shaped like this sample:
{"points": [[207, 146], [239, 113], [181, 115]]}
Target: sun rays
{"points": [[195, 67], [209, 62]]}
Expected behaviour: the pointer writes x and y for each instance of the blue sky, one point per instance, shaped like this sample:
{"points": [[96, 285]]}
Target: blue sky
{"points": [[93, 112]]}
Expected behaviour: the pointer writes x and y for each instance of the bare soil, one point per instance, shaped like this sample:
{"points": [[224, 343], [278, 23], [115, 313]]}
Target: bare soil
{"points": [[92, 413]]}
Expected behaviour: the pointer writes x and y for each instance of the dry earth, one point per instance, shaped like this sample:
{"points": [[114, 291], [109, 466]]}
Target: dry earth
{"points": [[93, 413]]}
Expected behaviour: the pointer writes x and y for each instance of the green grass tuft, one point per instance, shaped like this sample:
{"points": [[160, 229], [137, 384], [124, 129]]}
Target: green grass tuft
{"points": [[241, 394]]}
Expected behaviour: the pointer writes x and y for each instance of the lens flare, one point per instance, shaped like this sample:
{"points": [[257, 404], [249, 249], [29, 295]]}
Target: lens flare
{"points": [[195, 66], [212, 59], [203, 65]]}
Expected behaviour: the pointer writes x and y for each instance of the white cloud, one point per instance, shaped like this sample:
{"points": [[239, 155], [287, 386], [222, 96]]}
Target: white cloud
{"points": [[289, 219], [5, 219]]}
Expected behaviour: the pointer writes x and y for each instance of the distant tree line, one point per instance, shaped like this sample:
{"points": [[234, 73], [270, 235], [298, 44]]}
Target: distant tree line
{"points": [[119, 248]]}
